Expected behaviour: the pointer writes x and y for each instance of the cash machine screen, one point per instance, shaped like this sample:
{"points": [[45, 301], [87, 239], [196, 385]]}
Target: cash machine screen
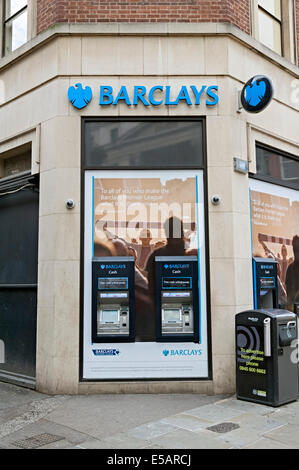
{"points": [[172, 315], [110, 316], [176, 294], [113, 295]]}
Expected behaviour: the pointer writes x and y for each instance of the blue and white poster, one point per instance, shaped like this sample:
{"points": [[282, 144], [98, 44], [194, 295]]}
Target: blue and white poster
{"points": [[126, 214]]}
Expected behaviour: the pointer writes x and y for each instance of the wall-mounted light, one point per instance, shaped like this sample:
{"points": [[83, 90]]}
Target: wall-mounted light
{"points": [[241, 166]]}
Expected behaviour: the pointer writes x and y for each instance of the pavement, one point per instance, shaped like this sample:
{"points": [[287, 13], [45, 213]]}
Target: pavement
{"points": [[29, 419]]}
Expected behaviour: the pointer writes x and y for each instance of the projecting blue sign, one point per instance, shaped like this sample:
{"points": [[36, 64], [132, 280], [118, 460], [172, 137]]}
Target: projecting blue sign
{"points": [[257, 94], [155, 96]]}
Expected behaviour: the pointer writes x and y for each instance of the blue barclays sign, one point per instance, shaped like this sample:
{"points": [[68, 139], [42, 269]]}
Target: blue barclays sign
{"points": [[182, 352], [157, 95], [257, 94]]}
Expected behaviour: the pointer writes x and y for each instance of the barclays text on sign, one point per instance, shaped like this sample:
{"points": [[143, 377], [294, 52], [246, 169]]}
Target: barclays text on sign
{"points": [[157, 95]]}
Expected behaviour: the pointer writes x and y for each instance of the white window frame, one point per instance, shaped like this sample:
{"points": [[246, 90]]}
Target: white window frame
{"points": [[288, 29], [31, 23]]}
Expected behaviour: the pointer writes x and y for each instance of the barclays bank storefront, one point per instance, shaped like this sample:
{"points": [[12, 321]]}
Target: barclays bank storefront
{"points": [[150, 175]]}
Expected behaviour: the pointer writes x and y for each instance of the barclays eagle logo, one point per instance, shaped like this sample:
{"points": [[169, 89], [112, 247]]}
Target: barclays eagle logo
{"points": [[165, 352], [255, 92], [79, 96]]}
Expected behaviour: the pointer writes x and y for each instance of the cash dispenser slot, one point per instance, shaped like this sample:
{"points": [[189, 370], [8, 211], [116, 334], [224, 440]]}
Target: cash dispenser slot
{"points": [[113, 299], [177, 300]]}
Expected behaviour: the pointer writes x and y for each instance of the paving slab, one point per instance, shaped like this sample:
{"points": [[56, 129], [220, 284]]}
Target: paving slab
{"points": [[37, 410], [151, 430], [185, 421], [241, 437], [292, 406], [257, 423], [13, 396], [118, 441], [214, 413], [288, 434], [246, 406], [11, 413], [45, 426], [265, 443], [287, 416], [152, 446], [184, 439], [102, 415]]}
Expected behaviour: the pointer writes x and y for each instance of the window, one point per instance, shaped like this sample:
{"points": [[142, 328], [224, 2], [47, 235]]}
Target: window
{"points": [[143, 144], [15, 162], [275, 167], [270, 24], [15, 24]]}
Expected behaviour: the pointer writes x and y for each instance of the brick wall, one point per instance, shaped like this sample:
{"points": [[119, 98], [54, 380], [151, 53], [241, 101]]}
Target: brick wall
{"points": [[50, 12]]}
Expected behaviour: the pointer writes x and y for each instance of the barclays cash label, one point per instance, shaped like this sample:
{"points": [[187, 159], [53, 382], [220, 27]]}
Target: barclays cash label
{"points": [[155, 96]]}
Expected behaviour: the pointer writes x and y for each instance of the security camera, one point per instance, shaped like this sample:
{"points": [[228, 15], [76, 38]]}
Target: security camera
{"points": [[215, 200], [70, 204]]}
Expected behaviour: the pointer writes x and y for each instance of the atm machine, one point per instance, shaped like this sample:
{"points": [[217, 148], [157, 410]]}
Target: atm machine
{"points": [[113, 315], [177, 298], [265, 283]]}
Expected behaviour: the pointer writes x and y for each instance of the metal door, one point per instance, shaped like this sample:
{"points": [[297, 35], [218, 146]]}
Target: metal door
{"points": [[18, 279]]}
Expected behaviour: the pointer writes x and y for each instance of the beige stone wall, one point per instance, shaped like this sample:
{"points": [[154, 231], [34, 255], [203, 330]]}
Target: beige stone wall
{"points": [[59, 256], [35, 97]]}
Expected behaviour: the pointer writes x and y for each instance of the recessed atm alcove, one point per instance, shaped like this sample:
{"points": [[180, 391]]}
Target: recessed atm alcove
{"points": [[113, 299], [265, 283], [177, 299]]}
